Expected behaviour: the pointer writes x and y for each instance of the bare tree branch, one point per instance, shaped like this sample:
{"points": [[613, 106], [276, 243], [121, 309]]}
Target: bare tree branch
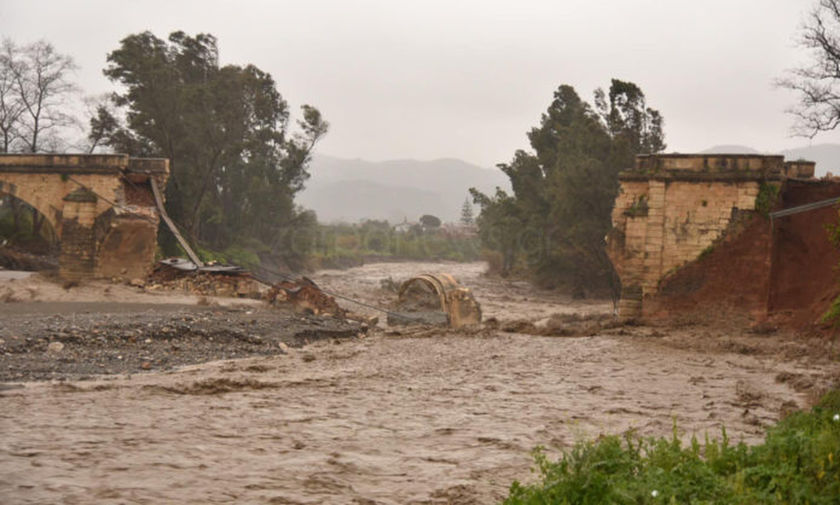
{"points": [[40, 77], [818, 83], [11, 106]]}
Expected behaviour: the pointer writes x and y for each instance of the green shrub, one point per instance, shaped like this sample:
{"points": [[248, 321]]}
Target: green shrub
{"points": [[638, 208], [377, 239], [768, 195], [239, 256], [705, 252], [205, 255], [796, 464], [832, 315]]}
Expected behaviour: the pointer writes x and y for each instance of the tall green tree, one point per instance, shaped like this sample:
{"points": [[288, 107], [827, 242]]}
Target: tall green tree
{"points": [[564, 188], [499, 226], [467, 218], [235, 163]]}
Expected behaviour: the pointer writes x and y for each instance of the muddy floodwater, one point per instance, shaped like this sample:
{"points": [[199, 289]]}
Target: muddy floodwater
{"points": [[389, 419]]}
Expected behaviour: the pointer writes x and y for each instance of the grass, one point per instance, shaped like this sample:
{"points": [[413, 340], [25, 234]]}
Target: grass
{"points": [[796, 464], [832, 315], [344, 245]]}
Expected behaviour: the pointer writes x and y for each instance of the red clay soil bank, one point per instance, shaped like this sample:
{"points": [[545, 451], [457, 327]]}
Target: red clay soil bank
{"points": [[734, 274], [804, 262], [793, 278]]}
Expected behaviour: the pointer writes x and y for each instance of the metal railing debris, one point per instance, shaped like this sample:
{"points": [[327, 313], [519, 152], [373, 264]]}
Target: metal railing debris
{"points": [[804, 208]]}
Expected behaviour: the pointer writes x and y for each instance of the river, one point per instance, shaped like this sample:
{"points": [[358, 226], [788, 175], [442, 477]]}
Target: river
{"points": [[383, 419]]}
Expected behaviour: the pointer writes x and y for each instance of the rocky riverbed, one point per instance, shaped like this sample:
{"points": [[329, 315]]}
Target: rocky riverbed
{"points": [[66, 340]]}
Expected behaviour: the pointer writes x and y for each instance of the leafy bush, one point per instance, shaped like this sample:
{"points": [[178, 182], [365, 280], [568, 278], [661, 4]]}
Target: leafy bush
{"points": [[768, 195], [796, 464], [243, 257], [639, 207], [832, 315]]}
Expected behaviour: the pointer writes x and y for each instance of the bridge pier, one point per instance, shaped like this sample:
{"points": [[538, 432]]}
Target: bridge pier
{"points": [[100, 206], [78, 244], [673, 209]]}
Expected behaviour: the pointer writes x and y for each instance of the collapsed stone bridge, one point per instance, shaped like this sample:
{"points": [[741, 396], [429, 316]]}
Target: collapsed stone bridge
{"points": [[686, 225], [101, 207]]}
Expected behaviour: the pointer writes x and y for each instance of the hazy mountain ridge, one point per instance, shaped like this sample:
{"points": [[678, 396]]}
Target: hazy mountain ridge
{"points": [[352, 190], [730, 149], [827, 156]]}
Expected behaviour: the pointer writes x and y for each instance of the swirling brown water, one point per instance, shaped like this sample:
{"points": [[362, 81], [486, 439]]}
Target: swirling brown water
{"points": [[376, 420]]}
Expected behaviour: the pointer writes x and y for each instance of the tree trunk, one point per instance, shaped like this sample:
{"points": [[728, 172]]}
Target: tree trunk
{"points": [[33, 147]]}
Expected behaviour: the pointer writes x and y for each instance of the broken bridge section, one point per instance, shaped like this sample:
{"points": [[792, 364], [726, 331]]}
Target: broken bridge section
{"points": [[672, 209], [100, 206]]}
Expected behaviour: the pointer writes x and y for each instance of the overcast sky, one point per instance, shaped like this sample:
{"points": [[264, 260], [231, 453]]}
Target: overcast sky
{"points": [[466, 79]]}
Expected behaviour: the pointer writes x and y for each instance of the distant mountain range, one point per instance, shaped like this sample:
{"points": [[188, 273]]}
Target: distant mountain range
{"points": [[827, 156], [353, 190], [344, 190]]}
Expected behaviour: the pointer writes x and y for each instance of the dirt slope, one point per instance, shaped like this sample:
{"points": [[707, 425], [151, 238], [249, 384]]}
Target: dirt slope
{"points": [[734, 275], [786, 269], [805, 263]]}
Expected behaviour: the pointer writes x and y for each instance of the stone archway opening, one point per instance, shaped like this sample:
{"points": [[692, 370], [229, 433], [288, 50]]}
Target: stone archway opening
{"points": [[28, 239]]}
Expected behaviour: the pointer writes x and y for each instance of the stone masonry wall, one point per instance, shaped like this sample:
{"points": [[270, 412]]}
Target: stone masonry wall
{"points": [[672, 208], [681, 221]]}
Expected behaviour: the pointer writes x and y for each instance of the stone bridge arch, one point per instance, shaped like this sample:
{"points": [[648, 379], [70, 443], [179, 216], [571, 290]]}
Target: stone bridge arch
{"points": [[100, 206], [29, 195]]}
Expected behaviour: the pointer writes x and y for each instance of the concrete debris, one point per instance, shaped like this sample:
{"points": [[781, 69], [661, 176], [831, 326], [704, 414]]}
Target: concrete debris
{"points": [[209, 280], [436, 299], [189, 266], [367, 321], [561, 325], [305, 296]]}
